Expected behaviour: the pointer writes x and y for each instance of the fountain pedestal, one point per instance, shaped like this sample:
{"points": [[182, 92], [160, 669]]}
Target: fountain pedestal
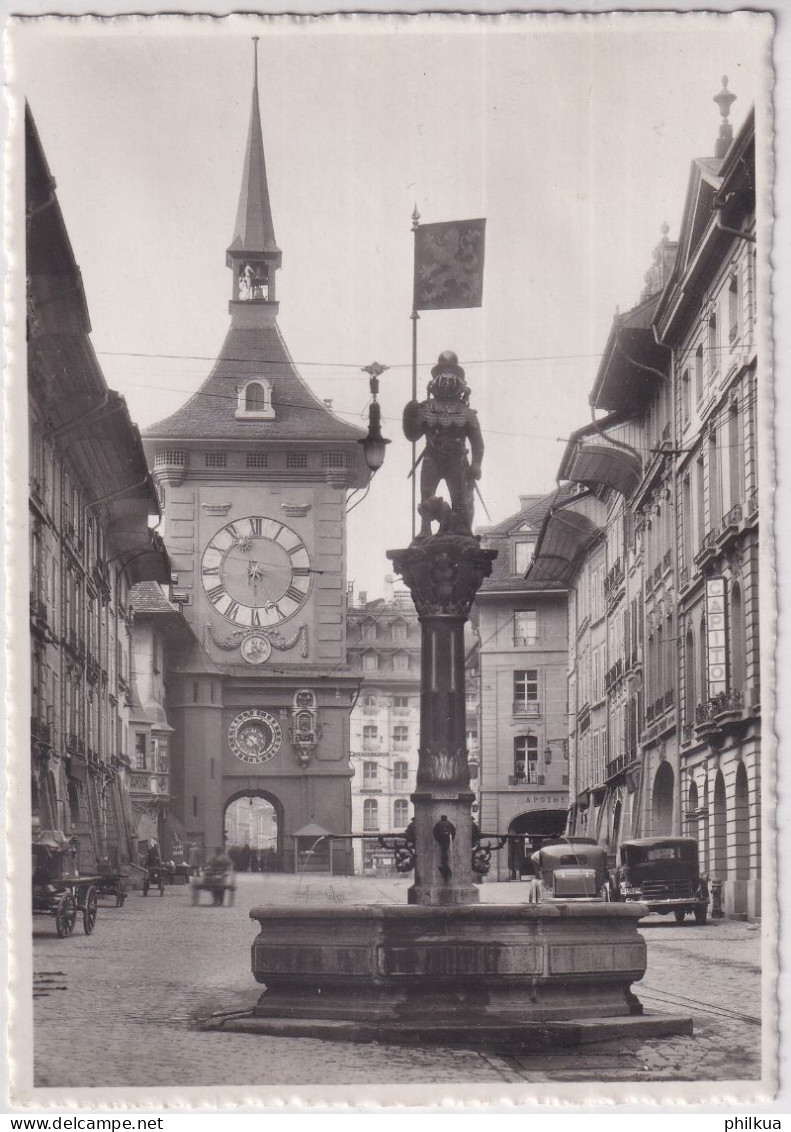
{"points": [[443, 574]]}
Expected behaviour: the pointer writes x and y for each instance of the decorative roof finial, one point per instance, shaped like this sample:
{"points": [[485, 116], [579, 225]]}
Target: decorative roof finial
{"points": [[724, 100], [255, 63]]}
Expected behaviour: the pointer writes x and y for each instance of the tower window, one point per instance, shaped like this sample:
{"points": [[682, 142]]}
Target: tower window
{"points": [[256, 459], [296, 459], [173, 456], [253, 282], [254, 400], [216, 459]]}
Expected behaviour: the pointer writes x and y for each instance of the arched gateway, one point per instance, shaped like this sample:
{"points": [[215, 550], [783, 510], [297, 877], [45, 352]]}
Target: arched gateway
{"points": [[253, 819]]}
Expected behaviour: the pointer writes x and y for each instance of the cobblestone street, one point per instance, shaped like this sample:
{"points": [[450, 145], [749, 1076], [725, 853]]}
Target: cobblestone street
{"points": [[120, 1007]]}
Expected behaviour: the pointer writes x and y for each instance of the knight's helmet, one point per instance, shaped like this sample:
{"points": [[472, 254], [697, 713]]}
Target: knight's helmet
{"points": [[447, 379]]}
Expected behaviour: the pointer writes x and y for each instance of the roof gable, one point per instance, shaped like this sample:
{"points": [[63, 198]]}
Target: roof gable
{"points": [[256, 352]]}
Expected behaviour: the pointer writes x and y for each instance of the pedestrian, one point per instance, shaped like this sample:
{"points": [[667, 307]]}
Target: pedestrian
{"points": [[153, 859], [244, 858], [254, 862], [194, 860]]}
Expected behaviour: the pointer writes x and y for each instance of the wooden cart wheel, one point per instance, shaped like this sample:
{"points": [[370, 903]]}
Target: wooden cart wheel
{"points": [[65, 915], [89, 910], [679, 914]]}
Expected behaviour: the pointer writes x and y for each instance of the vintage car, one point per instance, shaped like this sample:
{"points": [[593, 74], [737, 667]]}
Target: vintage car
{"points": [[573, 869], [664, 874]]}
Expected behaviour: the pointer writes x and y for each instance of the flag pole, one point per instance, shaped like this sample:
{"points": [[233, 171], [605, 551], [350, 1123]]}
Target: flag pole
{"points": [[414, 316]]}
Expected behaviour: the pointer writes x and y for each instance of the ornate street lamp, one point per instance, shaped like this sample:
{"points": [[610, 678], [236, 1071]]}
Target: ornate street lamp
{"points": [[374, 443]]}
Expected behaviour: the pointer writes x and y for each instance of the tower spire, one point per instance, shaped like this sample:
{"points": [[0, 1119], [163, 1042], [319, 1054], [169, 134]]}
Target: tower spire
{"points": [[253, 253]]}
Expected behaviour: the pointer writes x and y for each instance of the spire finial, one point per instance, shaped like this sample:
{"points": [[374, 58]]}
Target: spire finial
{"points": [[724, 99], [255, 63]]}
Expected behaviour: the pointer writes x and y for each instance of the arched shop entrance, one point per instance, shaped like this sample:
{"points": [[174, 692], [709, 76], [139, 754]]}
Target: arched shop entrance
{"points": [[253, 829], [529, 832], [662, 801]]}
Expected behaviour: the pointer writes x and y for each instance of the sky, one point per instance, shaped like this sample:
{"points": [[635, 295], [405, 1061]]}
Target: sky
{"points": [[573, 136]]}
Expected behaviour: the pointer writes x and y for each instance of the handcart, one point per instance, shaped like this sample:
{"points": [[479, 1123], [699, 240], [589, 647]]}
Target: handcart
{"points": [[58, 890], [154, 878]]}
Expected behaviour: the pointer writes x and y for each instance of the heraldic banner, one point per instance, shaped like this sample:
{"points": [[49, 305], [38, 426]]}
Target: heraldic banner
{"points": [[449, 265]]}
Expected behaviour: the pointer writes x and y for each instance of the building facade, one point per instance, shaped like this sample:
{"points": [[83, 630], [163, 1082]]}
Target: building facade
{"points": [[91, 500], [521, 706], [658, 541], [383, 648], [253, 474], [159, 635]]}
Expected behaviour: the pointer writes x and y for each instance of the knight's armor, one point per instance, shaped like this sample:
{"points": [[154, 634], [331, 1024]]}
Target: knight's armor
{"points": [[447, 422]]}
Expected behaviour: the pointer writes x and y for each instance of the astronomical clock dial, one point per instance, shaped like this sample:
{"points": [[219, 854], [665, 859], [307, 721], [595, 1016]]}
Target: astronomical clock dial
{"points": [[255, 736], [256, 572]]}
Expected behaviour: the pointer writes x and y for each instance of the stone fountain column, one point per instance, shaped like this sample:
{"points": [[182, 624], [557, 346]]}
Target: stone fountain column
{"points": [[443, 573]]}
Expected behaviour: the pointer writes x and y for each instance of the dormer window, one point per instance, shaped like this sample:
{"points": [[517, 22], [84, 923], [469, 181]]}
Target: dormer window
{"points": [[522, 555], [255, 401]]}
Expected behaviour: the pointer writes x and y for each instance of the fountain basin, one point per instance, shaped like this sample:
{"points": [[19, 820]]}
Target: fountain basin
{"points": [[462, 964]]}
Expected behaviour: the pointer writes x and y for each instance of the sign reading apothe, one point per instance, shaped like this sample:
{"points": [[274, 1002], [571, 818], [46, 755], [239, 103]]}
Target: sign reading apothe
{"points": [[716, 637], [449, 265]]}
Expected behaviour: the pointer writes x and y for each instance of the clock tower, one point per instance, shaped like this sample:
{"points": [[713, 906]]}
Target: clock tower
{"points": [[253, 474]]}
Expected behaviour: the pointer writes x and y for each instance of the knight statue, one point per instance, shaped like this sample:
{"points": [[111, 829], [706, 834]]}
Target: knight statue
{"points": [[447, 422]]}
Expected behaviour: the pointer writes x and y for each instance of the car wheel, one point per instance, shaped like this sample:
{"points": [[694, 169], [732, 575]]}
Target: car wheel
{"points": [[679, 917], [701, 915]]}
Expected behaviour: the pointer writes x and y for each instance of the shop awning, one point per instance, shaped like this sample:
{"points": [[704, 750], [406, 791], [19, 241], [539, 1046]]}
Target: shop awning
{"points": [[563, 541], [598, 464]]}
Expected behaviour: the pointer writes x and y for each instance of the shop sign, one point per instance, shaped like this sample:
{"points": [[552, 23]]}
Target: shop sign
{"points": [[716, 637]]}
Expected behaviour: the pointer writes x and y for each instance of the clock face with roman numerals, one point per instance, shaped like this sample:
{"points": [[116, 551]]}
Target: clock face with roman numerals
{"points": [[256, 572]]}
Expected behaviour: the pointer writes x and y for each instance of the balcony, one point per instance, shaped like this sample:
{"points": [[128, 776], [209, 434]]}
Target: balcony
{"points": [[613, 579], [731, 524], [40, 732], [526, 708], [526, 778], [720, 713], [75, 744], [617, 765], [708, 548], [751, 505], [614, 674], [660, 705], [150, 783]]}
